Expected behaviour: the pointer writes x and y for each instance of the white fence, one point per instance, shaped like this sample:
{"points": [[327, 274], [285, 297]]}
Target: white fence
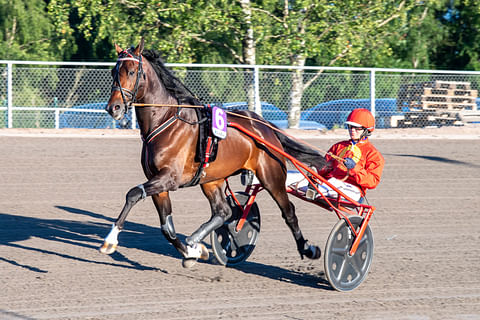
{"points": [[68, 94]]}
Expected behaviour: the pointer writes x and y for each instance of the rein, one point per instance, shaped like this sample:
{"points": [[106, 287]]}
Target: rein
{"points": [[239, 116], [197, 175], [126, 55]]}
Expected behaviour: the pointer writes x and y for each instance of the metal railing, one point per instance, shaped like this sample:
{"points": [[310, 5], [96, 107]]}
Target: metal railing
{"points": [[69, 94]]}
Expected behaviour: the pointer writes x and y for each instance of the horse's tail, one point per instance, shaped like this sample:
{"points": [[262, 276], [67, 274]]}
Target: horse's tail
{"points": [[300, 151]]}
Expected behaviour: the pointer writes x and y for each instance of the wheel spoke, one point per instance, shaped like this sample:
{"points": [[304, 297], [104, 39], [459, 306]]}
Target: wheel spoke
{"points": [[228, 245], [363, 240], [233, 243], [339, 251], [354, 263], [341, 271]]}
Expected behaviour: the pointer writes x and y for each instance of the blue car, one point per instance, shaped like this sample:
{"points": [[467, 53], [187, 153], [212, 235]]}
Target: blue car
{"points": [[275, 115], [269, 111], [92, 120], [334, 113]]}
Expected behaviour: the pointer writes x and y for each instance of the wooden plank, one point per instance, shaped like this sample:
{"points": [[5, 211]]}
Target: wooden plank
{"points": [[441, 96], [442, 105], [417, 85], [452, 84], [469, 116], [450, 92], [447, 96], [455, 104], [448, 99]]}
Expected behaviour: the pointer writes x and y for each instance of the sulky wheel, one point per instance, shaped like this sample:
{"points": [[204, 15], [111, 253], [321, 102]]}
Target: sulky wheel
{"points": [[343, 271], [229, 246]]}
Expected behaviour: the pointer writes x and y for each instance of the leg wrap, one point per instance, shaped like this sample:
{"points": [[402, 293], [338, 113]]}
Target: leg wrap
{"points": [[308, 250], [204, 230], [136, 194], [168, 229]]}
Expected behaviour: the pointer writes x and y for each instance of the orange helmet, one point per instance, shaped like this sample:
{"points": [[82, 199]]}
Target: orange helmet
{"points": [[361, 118]]}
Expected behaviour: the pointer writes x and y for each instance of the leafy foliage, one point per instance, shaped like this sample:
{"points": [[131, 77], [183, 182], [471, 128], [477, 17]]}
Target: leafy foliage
{"points": [[26, 32], [408, 34], [435, 34]]}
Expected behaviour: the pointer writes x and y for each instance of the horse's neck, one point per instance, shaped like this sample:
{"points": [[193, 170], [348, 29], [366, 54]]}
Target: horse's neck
{"points": [[154, 92], [151, 118]]}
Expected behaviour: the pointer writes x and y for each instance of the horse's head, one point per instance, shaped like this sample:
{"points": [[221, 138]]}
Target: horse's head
{"points": [[128, 77]]}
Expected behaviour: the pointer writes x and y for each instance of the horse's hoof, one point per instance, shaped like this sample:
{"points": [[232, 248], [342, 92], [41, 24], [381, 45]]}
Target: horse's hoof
{"points": [[313, 252], [204, 252], [197, 251], [188, 262], [108, 248]]}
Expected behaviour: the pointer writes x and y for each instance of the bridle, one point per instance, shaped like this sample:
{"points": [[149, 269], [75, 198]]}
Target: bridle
{"points": [[127, 55]]}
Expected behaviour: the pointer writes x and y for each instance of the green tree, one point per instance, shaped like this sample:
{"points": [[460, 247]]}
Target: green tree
{"points": [[27, 32], [460, 46], [186, 31], [364, 33], [415, 41], [325, 33], [170, 26]]}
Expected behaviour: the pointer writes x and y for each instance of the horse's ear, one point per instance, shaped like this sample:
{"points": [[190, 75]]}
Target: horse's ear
{"points": [[118, 48], [139, 49]]}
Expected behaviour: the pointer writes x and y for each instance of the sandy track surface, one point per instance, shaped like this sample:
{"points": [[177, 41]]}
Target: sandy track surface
{"points": [[59, 197], [469, 131]]}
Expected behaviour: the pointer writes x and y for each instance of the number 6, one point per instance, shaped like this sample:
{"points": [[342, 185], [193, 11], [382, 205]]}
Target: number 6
{"points": [[219, 119]]}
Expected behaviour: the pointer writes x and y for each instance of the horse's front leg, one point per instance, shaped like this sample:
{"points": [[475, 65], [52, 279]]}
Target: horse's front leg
{"points": [[221, 211], [164, 208], [164, 181]]}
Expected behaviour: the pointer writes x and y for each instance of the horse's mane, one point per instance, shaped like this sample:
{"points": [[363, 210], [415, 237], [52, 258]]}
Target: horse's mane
{"points": [[171, 83]]}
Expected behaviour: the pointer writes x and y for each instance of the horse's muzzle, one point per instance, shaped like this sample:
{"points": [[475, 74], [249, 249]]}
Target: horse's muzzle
{"points": [[116, 110]]}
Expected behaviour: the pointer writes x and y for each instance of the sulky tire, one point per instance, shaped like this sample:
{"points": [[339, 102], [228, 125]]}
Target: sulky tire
{"points": [[229, 246], [343, 271]]}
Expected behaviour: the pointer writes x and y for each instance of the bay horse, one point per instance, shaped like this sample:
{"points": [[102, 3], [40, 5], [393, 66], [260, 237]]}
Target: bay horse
{"points": [[170, 137]]}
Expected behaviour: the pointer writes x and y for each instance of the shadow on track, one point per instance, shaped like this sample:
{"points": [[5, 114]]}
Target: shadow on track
{"points": [[317, 281], [438, 159], [82, 234], [87, 234]]}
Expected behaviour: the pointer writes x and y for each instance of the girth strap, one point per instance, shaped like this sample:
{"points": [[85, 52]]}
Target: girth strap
{"points": [[204, 163]]}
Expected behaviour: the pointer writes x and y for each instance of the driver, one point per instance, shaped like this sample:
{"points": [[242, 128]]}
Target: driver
{"points": [[353, 165]]}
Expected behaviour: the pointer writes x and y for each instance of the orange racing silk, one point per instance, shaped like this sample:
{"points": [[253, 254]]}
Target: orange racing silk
{"points": [[368, 170]]}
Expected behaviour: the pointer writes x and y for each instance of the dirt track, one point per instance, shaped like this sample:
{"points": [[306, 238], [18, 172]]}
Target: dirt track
{"points": [[59, 197]]}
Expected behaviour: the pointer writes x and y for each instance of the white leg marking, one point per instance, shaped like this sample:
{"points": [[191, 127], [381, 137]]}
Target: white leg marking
{"points": [[112, 237], [194, 252]]}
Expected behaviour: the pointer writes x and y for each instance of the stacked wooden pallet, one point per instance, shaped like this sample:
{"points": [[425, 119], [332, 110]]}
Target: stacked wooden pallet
{"points": [[437, 103]]}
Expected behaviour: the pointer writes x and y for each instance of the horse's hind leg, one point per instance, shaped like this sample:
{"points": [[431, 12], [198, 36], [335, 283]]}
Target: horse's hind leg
{"points": [[273, 178], [221, 211]]}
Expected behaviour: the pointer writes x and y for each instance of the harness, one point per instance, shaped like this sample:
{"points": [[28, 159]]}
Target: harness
{"points": [[207, 144]]}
